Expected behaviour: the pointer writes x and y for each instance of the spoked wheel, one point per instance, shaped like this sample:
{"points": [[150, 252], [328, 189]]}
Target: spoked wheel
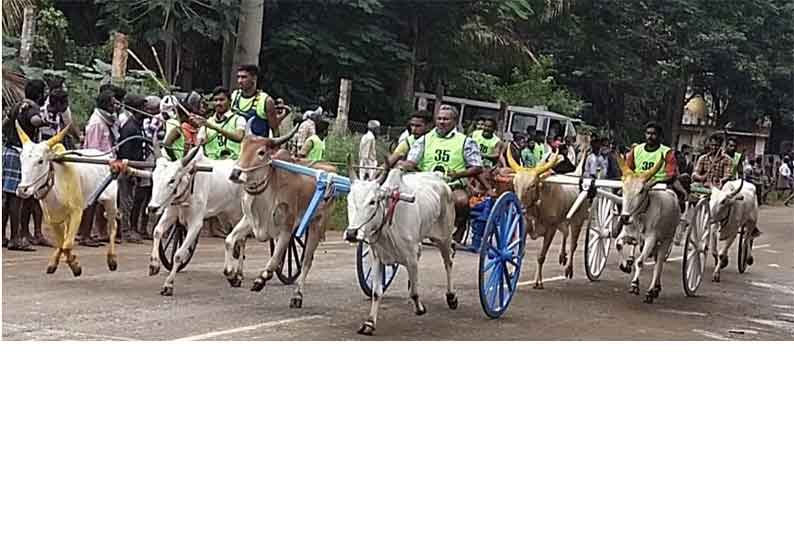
{"points": [[696, 247], [598, 237], [501, 254], [744, 245], [170, 242], [292, 263], [364, 270]]}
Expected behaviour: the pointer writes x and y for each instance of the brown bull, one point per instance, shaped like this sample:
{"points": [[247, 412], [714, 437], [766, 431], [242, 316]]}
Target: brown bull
{"points": [[273, 202], [547, 206]]}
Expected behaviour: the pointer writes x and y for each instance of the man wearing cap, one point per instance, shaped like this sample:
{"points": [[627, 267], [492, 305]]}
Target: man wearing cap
{"points": [[367, 151]]}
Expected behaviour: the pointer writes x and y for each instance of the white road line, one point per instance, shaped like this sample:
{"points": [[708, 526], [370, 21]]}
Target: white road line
{"points": [[555, 279], [774, 266], [67, 332], [213, 334], [685, 313], [710, 335], [761, 246]]}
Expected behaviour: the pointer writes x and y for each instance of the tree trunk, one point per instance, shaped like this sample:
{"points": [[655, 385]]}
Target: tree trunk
{"points": [[439, 96], [28, 31], [674, 112], [409, 75], [249, 33], [227, 59], [168, 61], [118, 68], [345, 91]]}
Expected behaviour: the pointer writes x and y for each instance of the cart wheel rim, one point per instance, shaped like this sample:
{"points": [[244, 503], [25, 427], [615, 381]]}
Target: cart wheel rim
{"points": [[501, 254], [695, 249], [742, 258], [292, 263], [598, 238], [364, 270]]}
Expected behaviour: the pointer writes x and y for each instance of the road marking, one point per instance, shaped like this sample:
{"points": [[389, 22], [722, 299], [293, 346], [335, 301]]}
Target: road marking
{"points": [[213, 334], [787, 326], [772, 251], [555, 279], [710, 335], [774, 266], [685, 313], [742, 332], [67, 332], [777, 288]]}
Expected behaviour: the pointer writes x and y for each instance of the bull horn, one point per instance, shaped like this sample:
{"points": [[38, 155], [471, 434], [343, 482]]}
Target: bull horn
{"points": [[23, 137], [351, 171], [649, 175], [190, 155], [58, 138], [737, 191], [552, 161], [624, 167], [158, 153], [512, 161], [283, 139]]}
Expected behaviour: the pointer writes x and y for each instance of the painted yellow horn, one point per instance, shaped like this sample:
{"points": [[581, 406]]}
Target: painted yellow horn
{"points": [[552, 161], [57, 138], [624, 167], [648, 175], [23, 137], [511, 161]]}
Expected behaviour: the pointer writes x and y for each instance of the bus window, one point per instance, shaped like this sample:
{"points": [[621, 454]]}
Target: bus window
{"points": [[471, 113], [555, 128], [522, 124]]}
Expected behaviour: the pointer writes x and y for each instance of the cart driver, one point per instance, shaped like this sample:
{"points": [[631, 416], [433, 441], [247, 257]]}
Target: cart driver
{"points": [[452, 154]]}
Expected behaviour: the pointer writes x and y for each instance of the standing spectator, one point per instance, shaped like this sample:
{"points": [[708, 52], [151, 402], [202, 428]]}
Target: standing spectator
{"points": [[786, 179], [12, 174], [57, 115], [101, 133], [131, 148], [314, 148], [540, 142], [367, 151], [308, 126], [597, 164], [30, 119]]}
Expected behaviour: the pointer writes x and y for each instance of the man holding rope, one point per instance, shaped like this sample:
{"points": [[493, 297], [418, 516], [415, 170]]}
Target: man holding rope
{"points": [[256, 106]]}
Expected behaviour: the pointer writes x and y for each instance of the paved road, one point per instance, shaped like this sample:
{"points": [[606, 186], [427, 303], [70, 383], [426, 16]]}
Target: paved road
{"points": [[126, 305]]}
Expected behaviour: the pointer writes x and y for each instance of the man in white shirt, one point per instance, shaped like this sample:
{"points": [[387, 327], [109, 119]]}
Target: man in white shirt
{"points": [[786, 180], [367, 151]]}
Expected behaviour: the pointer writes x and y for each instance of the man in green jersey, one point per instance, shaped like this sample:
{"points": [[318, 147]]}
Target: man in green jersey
{"points": [[451, 153], [644, 157], [314, 148], [222, 133], [255, 105], [419, 124], [736, 157], [490, 145]]}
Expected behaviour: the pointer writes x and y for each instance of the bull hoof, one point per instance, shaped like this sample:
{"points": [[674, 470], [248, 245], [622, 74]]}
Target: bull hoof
{"points": [[715, 278], [569, 272], [537, 286], [655, 292], [634, 289], [167, 291], [51, 269], [113, 264], [153, 270], [296, 302], [235, 281], [76, 269], [563, 259], [367, 328], [452, 301], [628, 267], [750, 260], [648, 298], [258, 285], [420, 310], [723, 262]]}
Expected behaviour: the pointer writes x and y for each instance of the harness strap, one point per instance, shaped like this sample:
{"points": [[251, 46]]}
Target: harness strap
{"points": [[394, 198]]}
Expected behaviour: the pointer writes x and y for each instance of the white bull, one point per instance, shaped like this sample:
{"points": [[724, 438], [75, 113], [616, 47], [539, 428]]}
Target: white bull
{"points": [[189, 197], [63, 190], [395, 229], [650, 217], [732, 208]]}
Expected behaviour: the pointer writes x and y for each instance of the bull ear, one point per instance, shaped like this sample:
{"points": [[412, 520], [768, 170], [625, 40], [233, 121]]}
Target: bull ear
{"points": [[736, 192], [351, 171]]}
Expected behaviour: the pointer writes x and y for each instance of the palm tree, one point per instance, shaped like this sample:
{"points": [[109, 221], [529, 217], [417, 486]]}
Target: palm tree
{"points": [[13, 80], [13, 11]]}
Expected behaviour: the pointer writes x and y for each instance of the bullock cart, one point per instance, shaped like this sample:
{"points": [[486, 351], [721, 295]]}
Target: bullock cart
{"points": [[600, 236], [172, 239]]}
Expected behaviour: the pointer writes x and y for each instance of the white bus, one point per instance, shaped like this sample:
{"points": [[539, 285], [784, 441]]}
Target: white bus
{"points": [[517, 120]]}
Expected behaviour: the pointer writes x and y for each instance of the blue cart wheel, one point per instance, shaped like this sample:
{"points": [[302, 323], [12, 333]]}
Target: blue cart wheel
{"points": [[501, 254], [364, 270]]}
